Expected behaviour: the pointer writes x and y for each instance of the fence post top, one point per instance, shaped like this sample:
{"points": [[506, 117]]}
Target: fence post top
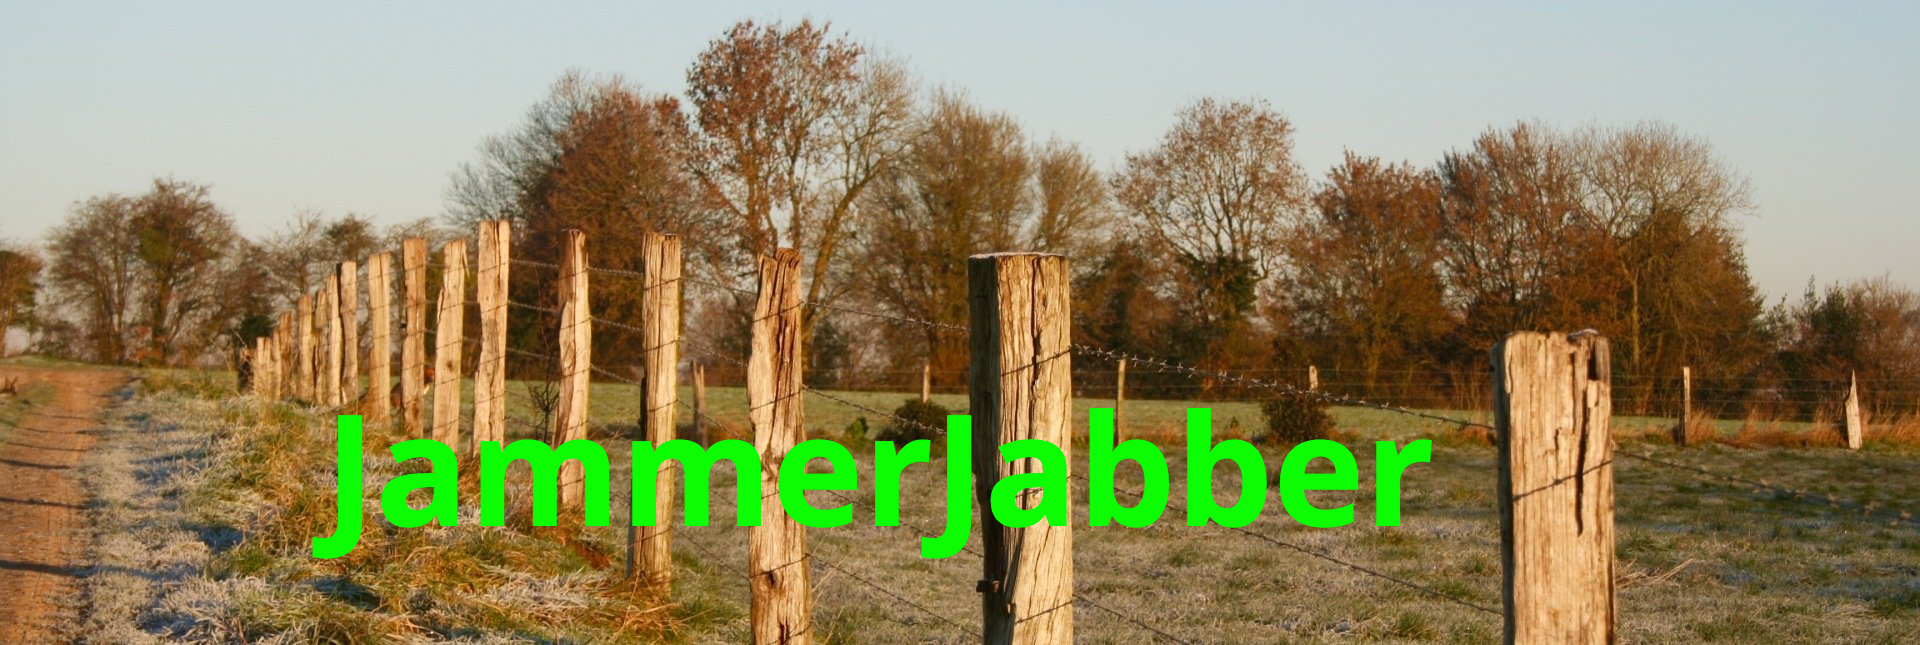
{"points": [[1013, 254]]}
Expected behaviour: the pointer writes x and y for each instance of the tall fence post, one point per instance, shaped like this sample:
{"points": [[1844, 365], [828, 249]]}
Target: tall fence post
{"points": [[1021, 388], [350, 335], [1552, 406], [1856, 428], [1680, 432], [926, 382], [329, 312], [700, 404], [648, 547], [490, 373], [380, 330], [258, 368], [449, 337], [576, 359], [782, 610], [1119, 401], [413, 341], [283, 334]]}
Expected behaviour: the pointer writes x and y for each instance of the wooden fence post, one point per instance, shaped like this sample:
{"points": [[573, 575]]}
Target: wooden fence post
{"points": [[1313, 378], [1021, 388], [490, 374], [1552, 406], [350, 335], [285, 386], [648, 547], [700, 405], [449, 338], [782, 610], [413, 342], [380, 328], [1856, 427], [1680, 437], [329, 313], [257, 367], [926, 382], [576, 361], [1119, 401]]}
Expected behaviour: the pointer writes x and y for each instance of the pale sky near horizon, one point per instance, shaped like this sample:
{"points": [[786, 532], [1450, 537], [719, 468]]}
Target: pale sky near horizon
{"points": [[368, 107]]}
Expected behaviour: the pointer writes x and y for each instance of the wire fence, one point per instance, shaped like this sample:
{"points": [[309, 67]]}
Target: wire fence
{"points": [[1337, 389]]}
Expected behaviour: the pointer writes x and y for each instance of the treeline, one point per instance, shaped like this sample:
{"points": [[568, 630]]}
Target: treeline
{"points": [[1213, 247]]}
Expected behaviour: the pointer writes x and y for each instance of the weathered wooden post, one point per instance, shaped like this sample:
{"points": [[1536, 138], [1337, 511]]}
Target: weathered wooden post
{"points": [[379, 402], [782, 610], [1119, 401], [258, 368], [490, 373], [1313, 378], [1856, 427], [350, 334], [1680, 437], [286, 387], [1552, 405], [926, 382], [576, 361], [700, 405], [413, 341], [449, 336], [329, 313], [648, 547], [1021, 388]]}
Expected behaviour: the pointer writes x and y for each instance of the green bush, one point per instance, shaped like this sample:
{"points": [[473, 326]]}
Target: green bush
{"points": [[927, 420], [1293, 419]]}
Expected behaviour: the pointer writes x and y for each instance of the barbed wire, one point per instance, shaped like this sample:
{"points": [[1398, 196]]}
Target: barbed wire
{"points": [[1080, 598], [1179, 508]]}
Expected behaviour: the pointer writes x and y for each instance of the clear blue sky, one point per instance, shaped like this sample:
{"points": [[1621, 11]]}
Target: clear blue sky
{"points": [[367, 107]]}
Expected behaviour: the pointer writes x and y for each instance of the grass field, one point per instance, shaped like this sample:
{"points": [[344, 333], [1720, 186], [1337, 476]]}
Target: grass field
{"points": [[1701, 559]]}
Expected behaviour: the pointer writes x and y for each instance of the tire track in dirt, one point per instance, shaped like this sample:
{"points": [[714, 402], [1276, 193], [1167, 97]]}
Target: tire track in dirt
{"points": [[42, 503]]}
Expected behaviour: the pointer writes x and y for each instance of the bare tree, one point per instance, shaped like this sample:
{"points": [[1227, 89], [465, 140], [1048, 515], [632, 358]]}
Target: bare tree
{"points": [[92, 266], [1217, 195], [147, 274], [793, 124]]}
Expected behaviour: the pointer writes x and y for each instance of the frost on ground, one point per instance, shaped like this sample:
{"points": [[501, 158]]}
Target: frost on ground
{"points": [[204, 509]]}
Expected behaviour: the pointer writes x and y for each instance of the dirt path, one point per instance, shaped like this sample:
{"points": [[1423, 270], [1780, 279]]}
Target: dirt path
{"points": [[41, 499]]}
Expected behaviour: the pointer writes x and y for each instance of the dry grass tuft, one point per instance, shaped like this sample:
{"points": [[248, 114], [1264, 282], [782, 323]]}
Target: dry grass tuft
{"points": [[1760, 431], [1901, 431], [1697, 430]]}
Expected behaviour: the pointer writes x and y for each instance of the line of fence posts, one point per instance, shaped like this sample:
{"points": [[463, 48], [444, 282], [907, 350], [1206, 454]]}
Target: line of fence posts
{"points": [[1552, 413]]}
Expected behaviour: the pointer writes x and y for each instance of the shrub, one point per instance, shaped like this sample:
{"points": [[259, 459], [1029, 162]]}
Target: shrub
{"points": [[1293, 419], [927, 418]]}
